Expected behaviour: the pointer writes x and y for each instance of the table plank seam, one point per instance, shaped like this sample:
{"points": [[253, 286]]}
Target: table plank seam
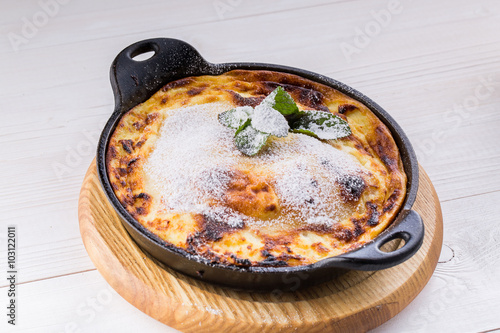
{"points": [[50, 277]]}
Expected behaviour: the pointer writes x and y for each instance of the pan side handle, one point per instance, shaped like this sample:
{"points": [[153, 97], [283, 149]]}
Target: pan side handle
{"points": [[134, 81], [371, 257]]}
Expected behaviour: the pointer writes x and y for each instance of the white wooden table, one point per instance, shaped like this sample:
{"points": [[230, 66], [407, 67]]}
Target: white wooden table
{"points": [[434, 65]]}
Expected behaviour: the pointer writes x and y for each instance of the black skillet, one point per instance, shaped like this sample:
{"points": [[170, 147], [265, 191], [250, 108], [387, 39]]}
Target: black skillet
{"points": [[135, 81]]}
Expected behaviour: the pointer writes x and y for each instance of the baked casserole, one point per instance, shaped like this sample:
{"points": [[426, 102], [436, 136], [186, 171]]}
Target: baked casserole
{"points": [[176, 170]]}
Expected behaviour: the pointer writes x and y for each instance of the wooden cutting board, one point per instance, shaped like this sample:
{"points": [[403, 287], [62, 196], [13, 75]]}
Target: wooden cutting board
{"points": [[354, 302]]}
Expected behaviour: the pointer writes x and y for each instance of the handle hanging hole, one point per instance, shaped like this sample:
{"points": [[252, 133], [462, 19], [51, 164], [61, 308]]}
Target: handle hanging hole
{"points": [[144, 56], [144, 52], [392, 245]]}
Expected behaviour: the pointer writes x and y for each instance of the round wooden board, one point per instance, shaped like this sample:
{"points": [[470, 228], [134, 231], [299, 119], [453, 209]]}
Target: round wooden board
{"points": [[354, 302]]}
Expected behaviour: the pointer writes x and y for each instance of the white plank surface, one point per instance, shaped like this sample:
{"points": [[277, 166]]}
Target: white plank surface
{"points": [[435, 66]]}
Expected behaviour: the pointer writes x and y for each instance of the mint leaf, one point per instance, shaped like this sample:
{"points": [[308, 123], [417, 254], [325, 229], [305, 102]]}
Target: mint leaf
{"points": [[248, 140], [321, 125], [268, 120], [243, 126], [236, 117], [269, 115], [283, 102]]}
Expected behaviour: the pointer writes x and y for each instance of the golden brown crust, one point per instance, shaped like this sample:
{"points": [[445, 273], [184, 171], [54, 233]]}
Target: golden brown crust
{"points": [[371, 202]]}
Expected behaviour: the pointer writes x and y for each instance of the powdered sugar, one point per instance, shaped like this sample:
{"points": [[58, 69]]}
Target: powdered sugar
{"points": [[192, 159], [195, 159], [305, 174]]}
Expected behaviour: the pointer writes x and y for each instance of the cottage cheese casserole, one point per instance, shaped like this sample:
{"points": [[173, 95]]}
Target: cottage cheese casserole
{"points": [[176, 170]]}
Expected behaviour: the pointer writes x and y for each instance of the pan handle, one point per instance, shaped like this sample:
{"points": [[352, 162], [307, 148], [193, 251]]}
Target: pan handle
{"points": [[134, 81], [370, 257]]}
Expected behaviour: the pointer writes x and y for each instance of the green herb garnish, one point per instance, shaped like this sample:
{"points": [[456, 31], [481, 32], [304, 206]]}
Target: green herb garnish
{"points": [[284, 103], [277, 115], [235, 118], [321, 125], [248, 140]]}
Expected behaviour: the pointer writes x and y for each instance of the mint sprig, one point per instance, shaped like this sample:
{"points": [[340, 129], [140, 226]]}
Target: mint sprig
{"points": [[277, 115]]}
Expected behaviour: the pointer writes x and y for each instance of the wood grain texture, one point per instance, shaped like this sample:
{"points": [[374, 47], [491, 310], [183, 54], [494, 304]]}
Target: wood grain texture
{"points": [[355, 302]]}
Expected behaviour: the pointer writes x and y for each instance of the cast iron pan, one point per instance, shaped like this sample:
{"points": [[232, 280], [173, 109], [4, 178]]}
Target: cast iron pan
{"points": [[134, 82]]}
